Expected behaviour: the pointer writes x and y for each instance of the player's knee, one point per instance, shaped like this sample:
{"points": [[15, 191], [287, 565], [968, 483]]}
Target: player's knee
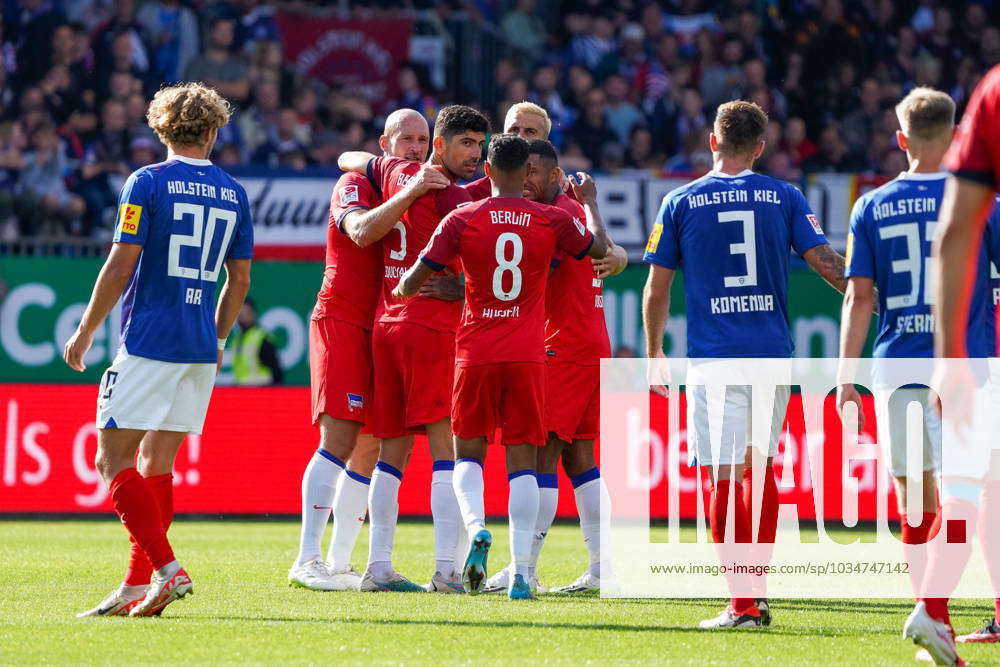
{"points": [[578, 457]]}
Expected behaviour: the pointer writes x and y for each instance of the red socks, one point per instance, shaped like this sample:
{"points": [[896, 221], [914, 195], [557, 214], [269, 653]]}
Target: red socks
{"points": [[914, 539], [139, 568], [948, 557], [718, 515], [136, 505]]}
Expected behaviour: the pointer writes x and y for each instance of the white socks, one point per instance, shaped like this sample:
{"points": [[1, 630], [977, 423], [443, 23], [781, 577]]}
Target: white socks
{"points": [[522, 508], [548, 499], [318, 484], [447, 518], [350, 505], [588, 489], [469, 490], [383, 508]]}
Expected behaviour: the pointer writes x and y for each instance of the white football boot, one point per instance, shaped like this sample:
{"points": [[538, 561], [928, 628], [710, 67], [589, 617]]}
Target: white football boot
{"points": [[164, 589], [442, 584], [315, 576], [936, 637], [730, 618], [119, 602], [346, 580]]}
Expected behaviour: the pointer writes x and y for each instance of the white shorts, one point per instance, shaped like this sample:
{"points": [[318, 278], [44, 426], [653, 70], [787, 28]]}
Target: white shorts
{"points": [[891, 408], [719, 407], [151, 395]]}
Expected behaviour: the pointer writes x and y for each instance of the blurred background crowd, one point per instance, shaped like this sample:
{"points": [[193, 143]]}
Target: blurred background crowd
{"points": [[630, 84]]}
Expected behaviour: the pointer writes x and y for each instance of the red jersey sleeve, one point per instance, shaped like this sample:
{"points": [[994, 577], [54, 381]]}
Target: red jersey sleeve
{"points": [[353, 192], [442, 249], [479, 189], [975, 150], [572, 237], [450, 198], [380, 168]]}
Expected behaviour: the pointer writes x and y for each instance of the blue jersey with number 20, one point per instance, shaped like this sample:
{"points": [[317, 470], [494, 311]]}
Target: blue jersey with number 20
{"points": [[732, 236], [189, 216]]}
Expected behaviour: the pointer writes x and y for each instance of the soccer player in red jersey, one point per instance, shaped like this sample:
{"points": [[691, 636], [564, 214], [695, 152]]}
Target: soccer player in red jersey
{"points": [[528, 121], [576, 337], [974, 163], [340, 358], [506, 244], [413, 347]]}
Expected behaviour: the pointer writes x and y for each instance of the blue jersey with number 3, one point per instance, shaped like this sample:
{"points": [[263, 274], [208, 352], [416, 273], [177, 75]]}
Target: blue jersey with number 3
{"points": [[732, 236], [189, 216], [892, 229]]}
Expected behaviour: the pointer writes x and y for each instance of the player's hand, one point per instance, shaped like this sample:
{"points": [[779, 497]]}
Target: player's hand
{"points": [[444, 286], [428, 178], [584, 188], [848, 393], [563, 181], [954, 383], [658, 373], [611, 264], [397, 292], [76, 349]]}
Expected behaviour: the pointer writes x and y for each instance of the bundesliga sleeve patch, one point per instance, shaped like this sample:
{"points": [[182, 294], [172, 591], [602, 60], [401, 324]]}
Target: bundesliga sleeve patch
{"points": [[348, 195], [128, 218], [579, 227], [654, 238], [814, 221]]}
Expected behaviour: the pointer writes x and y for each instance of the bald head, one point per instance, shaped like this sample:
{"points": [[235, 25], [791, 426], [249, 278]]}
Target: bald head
{"points": [[406, 135]]}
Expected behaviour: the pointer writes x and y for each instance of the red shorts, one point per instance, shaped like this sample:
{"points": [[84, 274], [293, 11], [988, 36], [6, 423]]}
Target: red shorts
{"points": [[340, 369], [574, 400], [509, 396], [414, 366]]}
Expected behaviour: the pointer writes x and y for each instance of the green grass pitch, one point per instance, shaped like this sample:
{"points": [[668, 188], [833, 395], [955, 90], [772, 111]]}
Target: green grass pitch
{"points": [[243, 610]]}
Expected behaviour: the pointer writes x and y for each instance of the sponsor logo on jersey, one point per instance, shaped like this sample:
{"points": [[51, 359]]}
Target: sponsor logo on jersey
{"points": [[355, 401], [654, 238], [128, 218], [579, 226], [348, 195], [814, 221]]}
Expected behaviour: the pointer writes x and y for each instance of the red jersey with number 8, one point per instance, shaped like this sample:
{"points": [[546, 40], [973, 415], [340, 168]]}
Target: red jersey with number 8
{"points": [[506, 246], [401, 246]]}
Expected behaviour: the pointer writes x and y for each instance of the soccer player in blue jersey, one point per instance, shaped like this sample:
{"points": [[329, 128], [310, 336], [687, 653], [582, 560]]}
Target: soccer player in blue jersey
{"points": [[889, 247], [731, 233], [179, 223]]}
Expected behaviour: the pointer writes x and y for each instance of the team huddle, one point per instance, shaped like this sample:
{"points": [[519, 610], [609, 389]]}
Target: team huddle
{"points": [[510, 354]]}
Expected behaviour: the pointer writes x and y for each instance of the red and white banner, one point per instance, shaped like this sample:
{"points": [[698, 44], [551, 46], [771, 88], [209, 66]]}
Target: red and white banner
{"points": [[257, 442], [361, 56]]}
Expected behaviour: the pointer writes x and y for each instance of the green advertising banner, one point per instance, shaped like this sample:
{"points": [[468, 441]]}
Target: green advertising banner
{"points": [[42, 299]]}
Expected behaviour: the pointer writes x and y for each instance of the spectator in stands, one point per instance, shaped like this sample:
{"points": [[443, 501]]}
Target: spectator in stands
{"points": [[143, 151], [13, 204], [639, 154], [580, 82], [258, 121], [721, 80], [591, 132], [132, 53], [691, 115], [412, 93], [544, 93], [622, 116], [218, 66], [256, 25], [694, 158], [105, 164], [31, 29], [524, 29], [687, 22], [55, 210], [859, 125], [283, 146], [255, 361], [173, 30], [629, 57], [833, 154], [593, 37]]}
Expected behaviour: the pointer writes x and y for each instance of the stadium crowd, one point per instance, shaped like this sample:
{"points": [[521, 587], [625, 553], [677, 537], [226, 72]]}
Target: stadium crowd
{"points": [[629, 85]]}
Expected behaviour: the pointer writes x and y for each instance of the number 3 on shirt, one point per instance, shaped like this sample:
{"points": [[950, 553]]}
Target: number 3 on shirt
{"points": [[504, 265], [748, 248], [201, 236]]}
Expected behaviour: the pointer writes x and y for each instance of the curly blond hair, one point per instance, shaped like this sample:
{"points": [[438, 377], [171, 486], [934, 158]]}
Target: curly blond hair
{"points": [[184, 114]]}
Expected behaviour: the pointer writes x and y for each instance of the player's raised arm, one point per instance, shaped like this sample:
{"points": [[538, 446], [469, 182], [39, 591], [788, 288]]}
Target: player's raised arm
{"points": [[111, 282], [354, 161], [585, 191], [441, 250]]}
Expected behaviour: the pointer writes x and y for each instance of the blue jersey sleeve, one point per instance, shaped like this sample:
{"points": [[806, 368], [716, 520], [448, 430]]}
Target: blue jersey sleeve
{"points": [[806, 231], [663, 247], [135, 208], [860, 249], [242, 245]]}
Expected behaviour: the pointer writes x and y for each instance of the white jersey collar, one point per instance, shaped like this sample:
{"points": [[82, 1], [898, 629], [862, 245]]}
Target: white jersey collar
{"points": [[742, 174], [190, 160], [910, 176]]}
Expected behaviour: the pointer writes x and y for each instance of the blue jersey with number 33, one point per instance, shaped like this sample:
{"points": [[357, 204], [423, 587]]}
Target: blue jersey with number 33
{"points": [[189, 216], [892, 229], [732, 236]]}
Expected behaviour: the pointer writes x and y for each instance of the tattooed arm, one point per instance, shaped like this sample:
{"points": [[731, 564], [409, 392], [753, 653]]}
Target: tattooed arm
{"points": [[828, 263]]}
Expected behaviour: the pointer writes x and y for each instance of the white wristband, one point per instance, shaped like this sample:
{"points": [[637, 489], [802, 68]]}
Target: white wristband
{"points": [[222, 344]]}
